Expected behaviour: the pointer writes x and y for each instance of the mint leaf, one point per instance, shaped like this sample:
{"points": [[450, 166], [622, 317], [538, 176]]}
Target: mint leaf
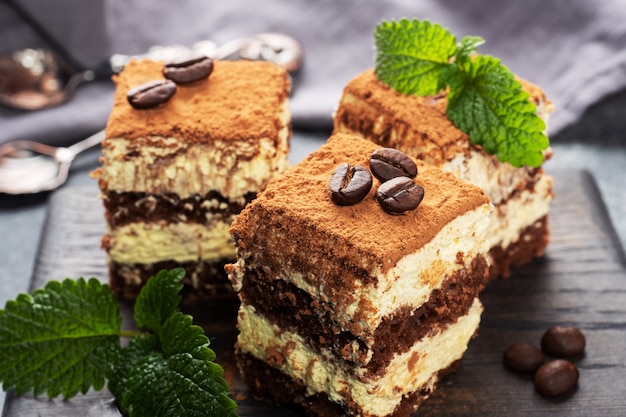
{"points": [[159, 299], [484, 98], [62, 339], [180, 336], [181, 380], [488, 103], [412, 54], [138, 348]]}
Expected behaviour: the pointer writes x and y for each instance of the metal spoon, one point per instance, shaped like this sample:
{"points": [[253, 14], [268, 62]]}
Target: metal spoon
{"points": [[33, 79], [28, 167]]}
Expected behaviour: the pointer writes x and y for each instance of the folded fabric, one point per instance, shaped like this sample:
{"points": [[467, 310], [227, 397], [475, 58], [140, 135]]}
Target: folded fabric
{"points": [[572, 48]]}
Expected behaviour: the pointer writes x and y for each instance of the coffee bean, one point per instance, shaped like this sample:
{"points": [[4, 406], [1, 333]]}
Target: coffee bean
{"points": [[151, 94], [556, 377], [349, 184], [188, 70], [563, 342], [523, 357], [399, 195], [388, 163]]}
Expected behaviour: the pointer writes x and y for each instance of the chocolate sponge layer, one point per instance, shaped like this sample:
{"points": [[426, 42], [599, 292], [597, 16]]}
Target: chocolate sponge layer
{"points": [[127, 207], [204, 279], [290, 308]]}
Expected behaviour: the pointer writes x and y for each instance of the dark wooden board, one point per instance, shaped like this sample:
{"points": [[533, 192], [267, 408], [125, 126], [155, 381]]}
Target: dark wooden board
{"points": [[580, 281]]}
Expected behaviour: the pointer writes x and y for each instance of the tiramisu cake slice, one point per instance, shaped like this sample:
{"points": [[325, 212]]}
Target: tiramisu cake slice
{"points": [[353, 300], [181, 158], [419, 126]]}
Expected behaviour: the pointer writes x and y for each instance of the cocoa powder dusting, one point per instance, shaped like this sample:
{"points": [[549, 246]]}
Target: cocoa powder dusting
{"points": [[238, 101]]}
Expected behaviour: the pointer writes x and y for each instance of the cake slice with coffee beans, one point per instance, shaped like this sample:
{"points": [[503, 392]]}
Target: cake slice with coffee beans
{"points": [[358, 271], [420, 127], [188, 145]]}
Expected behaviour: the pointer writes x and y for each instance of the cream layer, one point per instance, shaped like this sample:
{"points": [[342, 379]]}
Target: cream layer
{"points": [[169, 165], [520, 211], [409, 283], [497, 179], [147, 243], [321, 373]]}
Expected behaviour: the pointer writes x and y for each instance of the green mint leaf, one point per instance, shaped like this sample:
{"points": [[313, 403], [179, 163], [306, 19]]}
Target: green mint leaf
{"points": [[179, 335], [181, 380], [138, 348], [159, 299], [484, 98], [411, 55], [61, 339], [488, 103]]}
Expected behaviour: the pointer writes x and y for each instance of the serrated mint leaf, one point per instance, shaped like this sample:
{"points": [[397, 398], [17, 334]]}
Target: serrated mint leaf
{"points": [[411, 55], [181, 380], [138, 348], [491, 107], [180, 335], [176, 386], [159, 299], [61, 340]]}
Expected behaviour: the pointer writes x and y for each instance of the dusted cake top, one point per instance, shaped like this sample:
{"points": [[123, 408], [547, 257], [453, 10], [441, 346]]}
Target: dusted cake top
{"points": [[239, 100], [299, 202], [424, 115]]}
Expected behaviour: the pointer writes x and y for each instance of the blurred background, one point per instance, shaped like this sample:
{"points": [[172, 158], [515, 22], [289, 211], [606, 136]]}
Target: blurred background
{"points": [[575, 50]]}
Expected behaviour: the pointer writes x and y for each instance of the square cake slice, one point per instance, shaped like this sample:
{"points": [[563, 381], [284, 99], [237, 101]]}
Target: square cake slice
{"points": [[419, 127], [349, 310], [173, 177]]}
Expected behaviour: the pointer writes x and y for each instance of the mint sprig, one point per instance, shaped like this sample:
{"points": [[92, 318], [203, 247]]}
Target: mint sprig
{"points": [[485, 100], [65, 338]]}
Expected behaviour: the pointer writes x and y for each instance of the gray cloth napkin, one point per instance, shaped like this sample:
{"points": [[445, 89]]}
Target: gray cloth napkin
{"points": [[574, 49]]}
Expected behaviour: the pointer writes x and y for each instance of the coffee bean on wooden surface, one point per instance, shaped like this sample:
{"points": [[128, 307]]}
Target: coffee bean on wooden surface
{"points": [[349, 184], [523, 357], [151, 94], [399, 195], [563, 342], [188, 70], [556, 377], [388, 163]]}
